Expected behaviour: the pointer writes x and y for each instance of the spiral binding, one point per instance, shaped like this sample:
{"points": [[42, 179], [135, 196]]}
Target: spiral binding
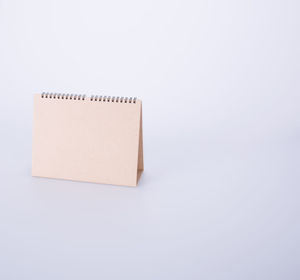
{"points": [[115, 99], [63, 96]]}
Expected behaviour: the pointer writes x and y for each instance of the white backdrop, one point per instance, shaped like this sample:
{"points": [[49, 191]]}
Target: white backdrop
{"points": [[219, 198]]}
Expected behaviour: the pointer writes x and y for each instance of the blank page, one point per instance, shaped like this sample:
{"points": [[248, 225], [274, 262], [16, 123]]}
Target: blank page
{"points": [[86, 140]]}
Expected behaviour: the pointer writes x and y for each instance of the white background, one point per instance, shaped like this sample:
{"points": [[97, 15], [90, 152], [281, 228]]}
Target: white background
{"points": [[219, 198]]}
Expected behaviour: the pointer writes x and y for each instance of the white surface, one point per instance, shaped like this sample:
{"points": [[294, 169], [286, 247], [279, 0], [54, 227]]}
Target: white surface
{"points": [[219, 198]]}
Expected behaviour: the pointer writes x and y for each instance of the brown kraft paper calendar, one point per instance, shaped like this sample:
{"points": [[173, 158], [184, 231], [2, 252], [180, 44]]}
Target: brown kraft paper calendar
{"points": [[94, 139]]}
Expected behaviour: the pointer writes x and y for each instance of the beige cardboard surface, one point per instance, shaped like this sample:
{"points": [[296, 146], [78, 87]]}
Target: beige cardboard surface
{"points": [[84, 140]]}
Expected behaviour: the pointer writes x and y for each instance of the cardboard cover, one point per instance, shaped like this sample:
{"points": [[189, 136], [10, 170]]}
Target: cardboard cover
{"points": [[87, 140]]}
